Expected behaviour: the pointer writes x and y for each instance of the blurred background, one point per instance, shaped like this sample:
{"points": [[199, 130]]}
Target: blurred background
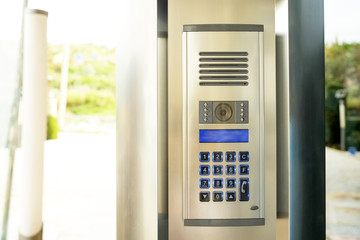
{"points": [[79, 168]]}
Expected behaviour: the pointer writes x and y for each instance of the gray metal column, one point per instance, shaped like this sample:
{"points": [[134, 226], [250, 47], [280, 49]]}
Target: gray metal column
{"points": [[301, 125], [307, 119], [137, 121]]}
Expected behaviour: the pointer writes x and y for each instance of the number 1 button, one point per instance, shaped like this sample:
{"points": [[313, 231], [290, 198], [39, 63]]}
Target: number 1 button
{"points": [[204, 156]]}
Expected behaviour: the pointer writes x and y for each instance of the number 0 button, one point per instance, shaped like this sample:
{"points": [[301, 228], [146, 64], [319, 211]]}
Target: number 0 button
{"points": [[218, 196]]}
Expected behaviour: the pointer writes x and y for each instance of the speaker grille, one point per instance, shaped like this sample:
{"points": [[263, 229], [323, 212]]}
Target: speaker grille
{"points": [[223, 68]]}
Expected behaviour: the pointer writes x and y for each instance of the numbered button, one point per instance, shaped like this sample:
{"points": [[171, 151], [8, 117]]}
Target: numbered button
{"points": [[244, 156], [217, 196], [230, 156], [230, 169], [231, 183], [217, 183], [231, 196], [217, 156], [244, 169], [204, 183], [204, 156], [204, 196], [244, 189], [204, 170], [217, 170]]}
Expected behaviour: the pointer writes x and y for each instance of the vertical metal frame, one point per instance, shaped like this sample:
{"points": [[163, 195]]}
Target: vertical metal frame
{"points": [[307, 119], [301, 119]]}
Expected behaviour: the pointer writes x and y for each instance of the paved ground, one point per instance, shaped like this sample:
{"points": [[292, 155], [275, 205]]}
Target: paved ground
{"points": [[79, 189], [342, 195]]}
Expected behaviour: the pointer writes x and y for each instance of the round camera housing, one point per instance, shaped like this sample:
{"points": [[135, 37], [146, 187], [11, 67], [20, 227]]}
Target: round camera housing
{"points": [[223, 112]]}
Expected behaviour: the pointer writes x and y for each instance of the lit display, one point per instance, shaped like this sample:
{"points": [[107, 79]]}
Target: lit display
{"points": [[223, 135]]}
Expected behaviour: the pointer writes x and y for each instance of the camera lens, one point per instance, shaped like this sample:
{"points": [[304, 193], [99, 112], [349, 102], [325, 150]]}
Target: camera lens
{"points": [[223, 112]]}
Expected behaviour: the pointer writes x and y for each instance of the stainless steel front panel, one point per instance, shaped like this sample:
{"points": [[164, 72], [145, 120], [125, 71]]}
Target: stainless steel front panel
{"points": [[223, 43], [189, 12]]}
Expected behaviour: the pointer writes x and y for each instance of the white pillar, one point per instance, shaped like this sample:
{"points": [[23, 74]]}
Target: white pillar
{"points": [[34, 123], [64, 85]]}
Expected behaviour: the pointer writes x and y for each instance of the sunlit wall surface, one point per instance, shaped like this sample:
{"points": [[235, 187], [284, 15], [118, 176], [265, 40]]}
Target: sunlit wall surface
{"points": [[10, 34], [10, 30]]}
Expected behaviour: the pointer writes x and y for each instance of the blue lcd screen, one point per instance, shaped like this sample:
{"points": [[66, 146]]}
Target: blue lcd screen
{"points": [[223, 135]]}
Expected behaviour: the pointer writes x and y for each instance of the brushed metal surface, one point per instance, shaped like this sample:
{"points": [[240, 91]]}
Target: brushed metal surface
{"points": [[137, 135], [185, 12], [197, 42]]}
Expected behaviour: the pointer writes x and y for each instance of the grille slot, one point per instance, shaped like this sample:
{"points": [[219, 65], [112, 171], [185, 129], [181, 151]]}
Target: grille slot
{"points": [[223, 65], [223, 68], [223, 83], [223, 59], [222, 77], [223, 53], [222, 71]]}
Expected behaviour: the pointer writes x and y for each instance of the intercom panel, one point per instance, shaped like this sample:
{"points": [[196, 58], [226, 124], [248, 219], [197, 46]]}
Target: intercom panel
{"points": [[223, 124]]}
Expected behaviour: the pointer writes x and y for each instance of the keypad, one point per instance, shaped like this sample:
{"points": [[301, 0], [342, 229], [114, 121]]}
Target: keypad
{"points": [[236, 181]]}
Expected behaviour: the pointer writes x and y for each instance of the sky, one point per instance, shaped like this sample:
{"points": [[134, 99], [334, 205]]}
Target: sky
{"points": [[342, 21], [94, 21]]}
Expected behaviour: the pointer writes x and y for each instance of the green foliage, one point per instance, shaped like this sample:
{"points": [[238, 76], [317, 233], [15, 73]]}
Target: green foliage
{"points": [[332, 127], [52, 127], [91, 80], [82, 101], [342, 70], [353, 132]]}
